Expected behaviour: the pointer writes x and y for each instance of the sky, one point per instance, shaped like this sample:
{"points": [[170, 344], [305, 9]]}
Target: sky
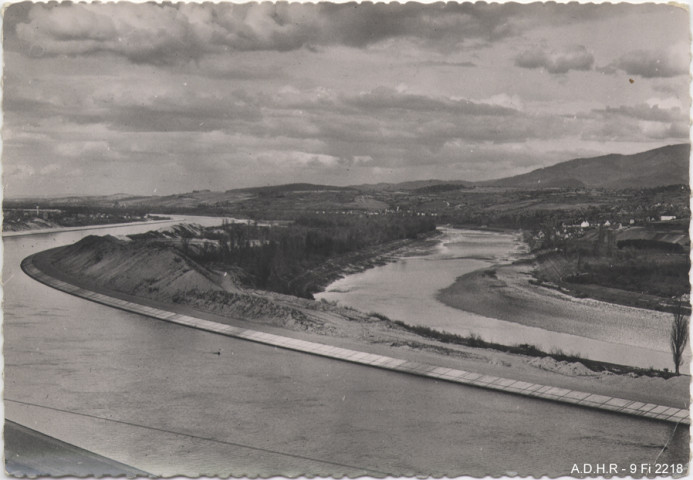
{"points": [[155, 99]]}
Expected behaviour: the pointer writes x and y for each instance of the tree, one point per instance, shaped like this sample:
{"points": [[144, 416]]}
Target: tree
{"points": [[679, 336], [185, 244]]}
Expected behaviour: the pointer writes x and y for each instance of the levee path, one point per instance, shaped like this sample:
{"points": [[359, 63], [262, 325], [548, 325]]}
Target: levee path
{"points": [[461, 377]]}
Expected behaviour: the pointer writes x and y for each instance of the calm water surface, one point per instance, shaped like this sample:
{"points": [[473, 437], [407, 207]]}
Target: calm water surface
{"points": [[406, 290], [155, 396]]}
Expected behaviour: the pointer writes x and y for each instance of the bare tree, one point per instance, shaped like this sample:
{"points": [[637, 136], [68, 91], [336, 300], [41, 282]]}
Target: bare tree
{"points": [[679, 335]]}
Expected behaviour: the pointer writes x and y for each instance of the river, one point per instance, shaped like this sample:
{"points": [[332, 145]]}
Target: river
{"points": [[155, 396], [406, 290]]}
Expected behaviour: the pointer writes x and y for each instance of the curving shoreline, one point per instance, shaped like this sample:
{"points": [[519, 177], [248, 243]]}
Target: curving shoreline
{"points": [[495, 300], [563, 395], [506, 292]]}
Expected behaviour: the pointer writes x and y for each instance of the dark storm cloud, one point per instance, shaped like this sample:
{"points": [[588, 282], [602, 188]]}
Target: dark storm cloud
{"points": [[557, 62]]}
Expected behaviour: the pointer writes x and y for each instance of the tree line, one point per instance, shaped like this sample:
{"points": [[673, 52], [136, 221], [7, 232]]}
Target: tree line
{"points": [[270, 257]]}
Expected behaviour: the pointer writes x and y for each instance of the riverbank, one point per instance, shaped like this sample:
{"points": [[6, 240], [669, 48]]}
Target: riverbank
{"points": [[69, 353], [649, 280], [431, 371], [509, 292], [317, 279], [328, 323]]}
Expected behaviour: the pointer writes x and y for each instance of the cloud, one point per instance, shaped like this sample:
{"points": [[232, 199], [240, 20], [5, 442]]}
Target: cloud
{"points": [[444, 63], [174, 33], [643, 121], [293, 125], [659, 131], [384, 98], [653, 64], [504, 100], [670, 89], [287, 159], [643, 111], [159, 34], [556, 62], [89, 149], [19, 172], [630, 129], [50, 169], [185, 96]]}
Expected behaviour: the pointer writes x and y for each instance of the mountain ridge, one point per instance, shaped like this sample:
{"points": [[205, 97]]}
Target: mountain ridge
{"points": [[668, 165]]}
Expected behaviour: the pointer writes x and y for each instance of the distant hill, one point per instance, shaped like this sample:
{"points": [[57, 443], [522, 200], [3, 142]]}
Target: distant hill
{"points": [[289, 187], [415, 185], [69, 200], [654, 168]]}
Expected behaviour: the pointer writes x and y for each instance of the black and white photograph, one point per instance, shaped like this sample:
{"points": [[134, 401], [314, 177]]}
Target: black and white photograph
{"points": [[346, 240]]}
